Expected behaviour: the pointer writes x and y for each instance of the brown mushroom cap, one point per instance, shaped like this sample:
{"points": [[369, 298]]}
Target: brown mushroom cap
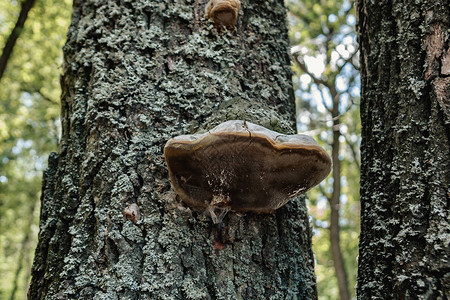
{"points": [[223, 12], [244, 167]]}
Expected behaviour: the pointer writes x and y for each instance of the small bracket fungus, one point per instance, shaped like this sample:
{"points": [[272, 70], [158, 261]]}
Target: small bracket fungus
{"points": [[244, 167], [223, 12]]}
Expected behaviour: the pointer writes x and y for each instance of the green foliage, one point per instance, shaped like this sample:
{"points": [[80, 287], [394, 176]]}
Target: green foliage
{"points": [[29, 129], [323, 37]]}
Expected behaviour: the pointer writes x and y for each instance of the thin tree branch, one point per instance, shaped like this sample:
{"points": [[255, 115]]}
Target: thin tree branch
{"points": [[302, 66], [25, 247], [317, 225], [340, 115], [322, 190], [7, 50], [346, 61], [354, 153], [45, 97], [317, 81], [323, 100]]}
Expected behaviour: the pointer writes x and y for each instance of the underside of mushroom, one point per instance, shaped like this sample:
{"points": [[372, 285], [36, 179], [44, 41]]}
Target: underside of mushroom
{"points": [[244, 167]]}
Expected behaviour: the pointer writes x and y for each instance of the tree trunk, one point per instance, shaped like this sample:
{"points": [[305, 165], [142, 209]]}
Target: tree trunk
{"points": [[23, 258], [135, 75], [405, 112], [334, 200]]}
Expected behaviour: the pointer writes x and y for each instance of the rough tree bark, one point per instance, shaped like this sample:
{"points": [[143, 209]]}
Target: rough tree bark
{"points": [[136, 74], [405, 113]]}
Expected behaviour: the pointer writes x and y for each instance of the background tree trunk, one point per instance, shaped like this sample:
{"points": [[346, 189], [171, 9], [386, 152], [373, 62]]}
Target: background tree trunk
{"points": [[405, 112], [23, 258], [334, 200], [135, 75]]}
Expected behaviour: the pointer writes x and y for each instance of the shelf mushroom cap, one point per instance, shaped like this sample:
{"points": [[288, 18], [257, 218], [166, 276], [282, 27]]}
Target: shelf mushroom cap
{"points": [[244, 167], [223, 12]]}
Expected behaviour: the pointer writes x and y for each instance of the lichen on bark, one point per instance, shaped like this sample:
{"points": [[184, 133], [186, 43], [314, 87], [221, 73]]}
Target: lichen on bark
{"points": [[136, 74], [404, 249]]}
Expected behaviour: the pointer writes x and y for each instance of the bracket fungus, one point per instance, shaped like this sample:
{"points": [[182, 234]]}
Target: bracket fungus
{"points": [[244, 167], [223, 12]]}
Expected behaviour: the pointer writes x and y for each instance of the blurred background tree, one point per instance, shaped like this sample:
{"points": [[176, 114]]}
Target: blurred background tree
{"points": [[327, 90], [29, 129], [327, 93]]}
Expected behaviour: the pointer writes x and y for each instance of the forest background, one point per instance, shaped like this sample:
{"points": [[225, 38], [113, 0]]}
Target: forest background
{"points": [[326, 82]]}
